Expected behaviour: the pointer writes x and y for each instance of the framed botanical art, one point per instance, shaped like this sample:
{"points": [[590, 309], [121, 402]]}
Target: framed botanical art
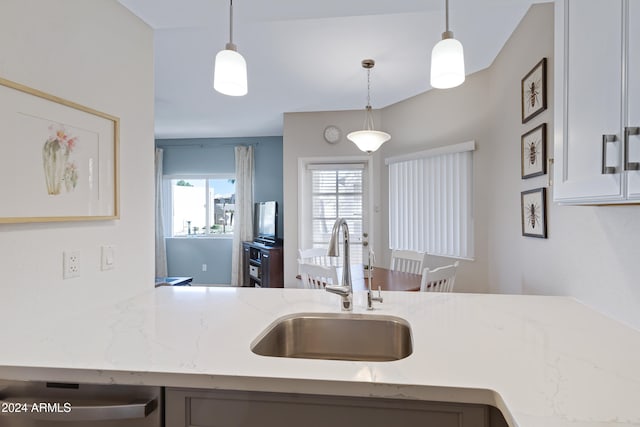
{"points": [[534, 91], [533, 152], [534, 213], [59, 160]]}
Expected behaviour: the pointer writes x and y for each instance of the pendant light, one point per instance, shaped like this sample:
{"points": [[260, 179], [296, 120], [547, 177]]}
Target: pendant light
{"points": [[230, 71], [368, 139], [447, 59]]}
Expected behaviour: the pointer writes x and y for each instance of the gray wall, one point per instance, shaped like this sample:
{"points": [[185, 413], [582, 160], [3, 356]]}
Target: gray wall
{"points": [[185, 255]]}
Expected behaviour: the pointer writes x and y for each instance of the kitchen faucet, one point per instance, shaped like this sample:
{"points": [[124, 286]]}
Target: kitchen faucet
{"points": [[345, 290]]}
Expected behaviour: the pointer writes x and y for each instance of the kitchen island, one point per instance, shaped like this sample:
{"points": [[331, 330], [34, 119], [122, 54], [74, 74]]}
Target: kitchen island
{"points": [[543, 361]]}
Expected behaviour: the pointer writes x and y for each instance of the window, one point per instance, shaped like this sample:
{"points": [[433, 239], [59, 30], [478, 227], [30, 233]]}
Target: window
{"points": [[331, 191], [431, 201], [200, 206]]}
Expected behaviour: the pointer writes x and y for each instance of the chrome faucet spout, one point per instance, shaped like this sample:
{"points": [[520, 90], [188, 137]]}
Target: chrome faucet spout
{"points": [[345, 290]]}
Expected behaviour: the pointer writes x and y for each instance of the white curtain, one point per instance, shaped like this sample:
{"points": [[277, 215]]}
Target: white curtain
{"points": [[243, 215], [161, 249]]}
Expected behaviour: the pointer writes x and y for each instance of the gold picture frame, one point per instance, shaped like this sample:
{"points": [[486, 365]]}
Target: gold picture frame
{"points": [[59, 161]]}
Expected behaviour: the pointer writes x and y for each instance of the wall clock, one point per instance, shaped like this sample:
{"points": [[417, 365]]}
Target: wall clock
{"points": [[332, 134]]}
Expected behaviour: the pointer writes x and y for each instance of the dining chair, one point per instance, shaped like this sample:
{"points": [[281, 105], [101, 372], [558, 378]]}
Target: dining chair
{"points": [[407, 261], [315, 276], [440, 279], [314, 256]]}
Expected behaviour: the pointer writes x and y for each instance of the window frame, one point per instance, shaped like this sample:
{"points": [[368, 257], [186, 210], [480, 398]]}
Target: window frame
{"points": [[168, 203], [305, 210]]}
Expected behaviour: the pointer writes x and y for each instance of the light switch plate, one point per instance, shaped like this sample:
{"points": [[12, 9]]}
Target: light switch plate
{"points": [[108, 257]]}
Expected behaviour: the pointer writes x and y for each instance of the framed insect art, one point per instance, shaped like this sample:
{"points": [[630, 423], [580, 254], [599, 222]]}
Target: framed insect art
{"points": [[533, 157], [534, 91], [534, 213]]}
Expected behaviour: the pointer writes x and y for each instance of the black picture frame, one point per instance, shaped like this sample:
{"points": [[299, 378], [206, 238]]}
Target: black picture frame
{"points": [[533, 152], [533, 208], [534, 91]]}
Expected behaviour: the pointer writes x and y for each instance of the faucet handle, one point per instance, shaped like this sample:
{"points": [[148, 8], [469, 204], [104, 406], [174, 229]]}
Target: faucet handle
{"points": [[371, 298], [379, 297]]}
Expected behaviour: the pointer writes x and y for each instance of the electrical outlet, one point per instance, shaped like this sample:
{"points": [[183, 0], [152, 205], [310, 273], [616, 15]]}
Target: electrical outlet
{"points": [[70, 264], [204, 267]]}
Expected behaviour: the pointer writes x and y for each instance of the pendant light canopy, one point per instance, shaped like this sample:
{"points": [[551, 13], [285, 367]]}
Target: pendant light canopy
{"points": [[447, 59], [368, 139], [230, 71]]}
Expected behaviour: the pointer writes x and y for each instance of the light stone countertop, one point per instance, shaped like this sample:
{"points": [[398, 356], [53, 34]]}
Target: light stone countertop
{"points": [[544, 361]]}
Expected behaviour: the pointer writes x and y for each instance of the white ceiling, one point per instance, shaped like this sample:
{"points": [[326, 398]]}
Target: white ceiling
{"points": [[305, 55]]}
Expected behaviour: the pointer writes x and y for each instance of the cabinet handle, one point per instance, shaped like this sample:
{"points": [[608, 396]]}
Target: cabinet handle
{"points": [[97, 411], [265, 255], [606, 170], [630, 166]]}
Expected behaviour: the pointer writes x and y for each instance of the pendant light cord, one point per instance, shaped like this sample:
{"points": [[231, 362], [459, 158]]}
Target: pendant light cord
{"points": [[368, 115], [446, 14], [368, 87], [231, 21]]}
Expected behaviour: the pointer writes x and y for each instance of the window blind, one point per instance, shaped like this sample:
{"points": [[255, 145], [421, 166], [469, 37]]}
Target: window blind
{"points": [[430, 204], [337, 193], [331, 190]]}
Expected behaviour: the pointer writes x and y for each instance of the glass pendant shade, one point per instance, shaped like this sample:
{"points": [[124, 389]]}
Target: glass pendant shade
{"points": [[230, 72], [368, 140], [447, 64]]}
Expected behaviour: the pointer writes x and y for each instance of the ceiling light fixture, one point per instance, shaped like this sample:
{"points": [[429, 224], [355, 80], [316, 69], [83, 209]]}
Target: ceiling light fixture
{"points": [[230, 70], [447, 59], [368, 140]]}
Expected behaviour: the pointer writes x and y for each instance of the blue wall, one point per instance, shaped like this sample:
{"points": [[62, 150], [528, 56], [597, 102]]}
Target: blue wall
{"points": [[185, 255]]}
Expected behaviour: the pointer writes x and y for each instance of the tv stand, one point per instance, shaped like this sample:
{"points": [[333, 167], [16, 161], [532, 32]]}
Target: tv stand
{"points": [[265, 242], [262, 265]]}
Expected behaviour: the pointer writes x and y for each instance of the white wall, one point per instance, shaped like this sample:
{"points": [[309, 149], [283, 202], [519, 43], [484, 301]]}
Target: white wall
{"points": [[303, 137], [95, 53], [444, 117], [590, 253]]}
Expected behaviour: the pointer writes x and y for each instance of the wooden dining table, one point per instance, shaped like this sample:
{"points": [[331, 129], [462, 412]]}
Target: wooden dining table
{"points": [[385, 279]]}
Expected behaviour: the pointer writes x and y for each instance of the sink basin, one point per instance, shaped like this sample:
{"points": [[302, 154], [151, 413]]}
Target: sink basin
{"points": [[336, 336]]}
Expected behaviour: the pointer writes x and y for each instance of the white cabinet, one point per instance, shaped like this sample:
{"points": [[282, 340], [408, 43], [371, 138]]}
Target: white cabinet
{"points": [[633, 97], [597, 96]]}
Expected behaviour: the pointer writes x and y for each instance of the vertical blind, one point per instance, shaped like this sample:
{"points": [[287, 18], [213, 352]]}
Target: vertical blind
{"points": [[430, 203], [337, 191]]}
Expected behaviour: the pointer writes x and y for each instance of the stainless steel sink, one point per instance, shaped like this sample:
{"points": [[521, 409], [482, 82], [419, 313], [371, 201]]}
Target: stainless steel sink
{"points": [[336, 336]]}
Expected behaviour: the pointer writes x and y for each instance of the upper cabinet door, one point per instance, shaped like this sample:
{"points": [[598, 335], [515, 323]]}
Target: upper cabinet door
{"points": [[589, 101], [633, 97]]}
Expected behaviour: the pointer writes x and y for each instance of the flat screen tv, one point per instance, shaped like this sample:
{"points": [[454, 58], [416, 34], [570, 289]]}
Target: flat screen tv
{"points": [[265, 222]]}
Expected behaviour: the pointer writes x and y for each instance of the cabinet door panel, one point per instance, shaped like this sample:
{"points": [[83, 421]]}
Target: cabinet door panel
{"points": [[265, 275], [593, 83], [633, 94]]}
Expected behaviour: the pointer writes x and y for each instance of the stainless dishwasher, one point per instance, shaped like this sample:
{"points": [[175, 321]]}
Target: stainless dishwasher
{"points": [[41, 404]]}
